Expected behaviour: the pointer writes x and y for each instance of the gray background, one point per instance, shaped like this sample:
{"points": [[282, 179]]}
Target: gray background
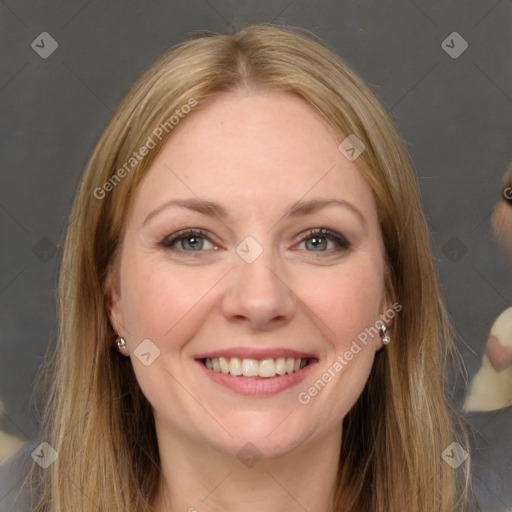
{"points": [[455, 115]]}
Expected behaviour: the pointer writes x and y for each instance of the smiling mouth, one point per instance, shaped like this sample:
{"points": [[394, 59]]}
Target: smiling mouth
{"points": [[256, 368]]}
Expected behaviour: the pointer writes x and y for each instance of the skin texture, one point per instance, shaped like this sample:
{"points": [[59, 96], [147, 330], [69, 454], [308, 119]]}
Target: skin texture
{"points": [[256, 154], [499, 356]]}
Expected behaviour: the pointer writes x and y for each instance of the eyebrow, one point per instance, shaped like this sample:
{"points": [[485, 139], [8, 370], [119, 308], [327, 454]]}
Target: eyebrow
{"points": [[297, 209]]}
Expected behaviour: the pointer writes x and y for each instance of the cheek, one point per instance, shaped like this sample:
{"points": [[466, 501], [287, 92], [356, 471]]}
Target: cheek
{"points": [[346, 299], [158, 300]]}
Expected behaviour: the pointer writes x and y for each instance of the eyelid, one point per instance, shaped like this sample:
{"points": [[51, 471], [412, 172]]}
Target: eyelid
{"points": [[342, 241], [170, 240]]}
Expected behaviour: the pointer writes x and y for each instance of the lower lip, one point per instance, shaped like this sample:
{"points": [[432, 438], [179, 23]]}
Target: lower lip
{"points": [[250, 386]]}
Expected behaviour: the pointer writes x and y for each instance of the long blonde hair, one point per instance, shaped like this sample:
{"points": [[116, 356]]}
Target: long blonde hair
{"points": [[96, 416]]}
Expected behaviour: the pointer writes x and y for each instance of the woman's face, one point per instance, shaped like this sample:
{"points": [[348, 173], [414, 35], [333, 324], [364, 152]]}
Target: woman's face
{"points": [[251, 289]]}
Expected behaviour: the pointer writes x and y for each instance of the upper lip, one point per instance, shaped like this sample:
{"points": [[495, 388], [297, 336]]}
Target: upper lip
{"points": [[255, 353]]}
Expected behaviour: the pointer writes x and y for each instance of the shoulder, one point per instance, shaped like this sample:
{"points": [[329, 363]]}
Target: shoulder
{"points": [[12, 475], [502, 327]]}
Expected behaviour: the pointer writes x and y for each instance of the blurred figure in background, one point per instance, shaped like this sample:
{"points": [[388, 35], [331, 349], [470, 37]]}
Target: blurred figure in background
{"points": [[491, 388]]}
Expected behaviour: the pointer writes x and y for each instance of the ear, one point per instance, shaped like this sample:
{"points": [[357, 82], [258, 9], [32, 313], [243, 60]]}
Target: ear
{"points": [[385, 306], [386, 314], [113, 304], [388, 308]]}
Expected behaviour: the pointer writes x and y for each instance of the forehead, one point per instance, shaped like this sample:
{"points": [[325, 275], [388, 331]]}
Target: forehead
{"points": [[260, 151]]}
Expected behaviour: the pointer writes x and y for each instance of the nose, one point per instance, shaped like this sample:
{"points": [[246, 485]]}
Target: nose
{"points": [[258, 295]]}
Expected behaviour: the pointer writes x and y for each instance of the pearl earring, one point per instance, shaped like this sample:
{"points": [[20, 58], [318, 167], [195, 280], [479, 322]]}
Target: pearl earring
{"points": [[385, 337], [121, 344]]}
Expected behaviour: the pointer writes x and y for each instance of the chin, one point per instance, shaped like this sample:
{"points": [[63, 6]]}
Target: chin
{"points": [[269, 434]]}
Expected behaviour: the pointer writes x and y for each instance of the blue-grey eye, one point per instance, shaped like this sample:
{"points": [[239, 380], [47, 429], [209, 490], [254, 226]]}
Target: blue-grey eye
{"points": [[317, 240], [191, 240]]}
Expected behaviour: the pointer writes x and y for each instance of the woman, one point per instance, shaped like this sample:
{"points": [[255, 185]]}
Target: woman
{"points": [[249, 315]]}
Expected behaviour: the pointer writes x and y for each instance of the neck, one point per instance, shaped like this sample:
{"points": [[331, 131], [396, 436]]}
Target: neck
{"points": [[197, 478]]}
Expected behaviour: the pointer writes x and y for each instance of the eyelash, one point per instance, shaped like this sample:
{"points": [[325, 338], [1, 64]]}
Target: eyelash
{"points": [[343, 243], [168, 242]]}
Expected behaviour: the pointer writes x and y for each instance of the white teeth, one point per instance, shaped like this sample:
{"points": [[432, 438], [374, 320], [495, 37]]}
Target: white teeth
{"points": [[250, 367], [280, 366], [266, 368], [224, 365], [235, 366]]}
